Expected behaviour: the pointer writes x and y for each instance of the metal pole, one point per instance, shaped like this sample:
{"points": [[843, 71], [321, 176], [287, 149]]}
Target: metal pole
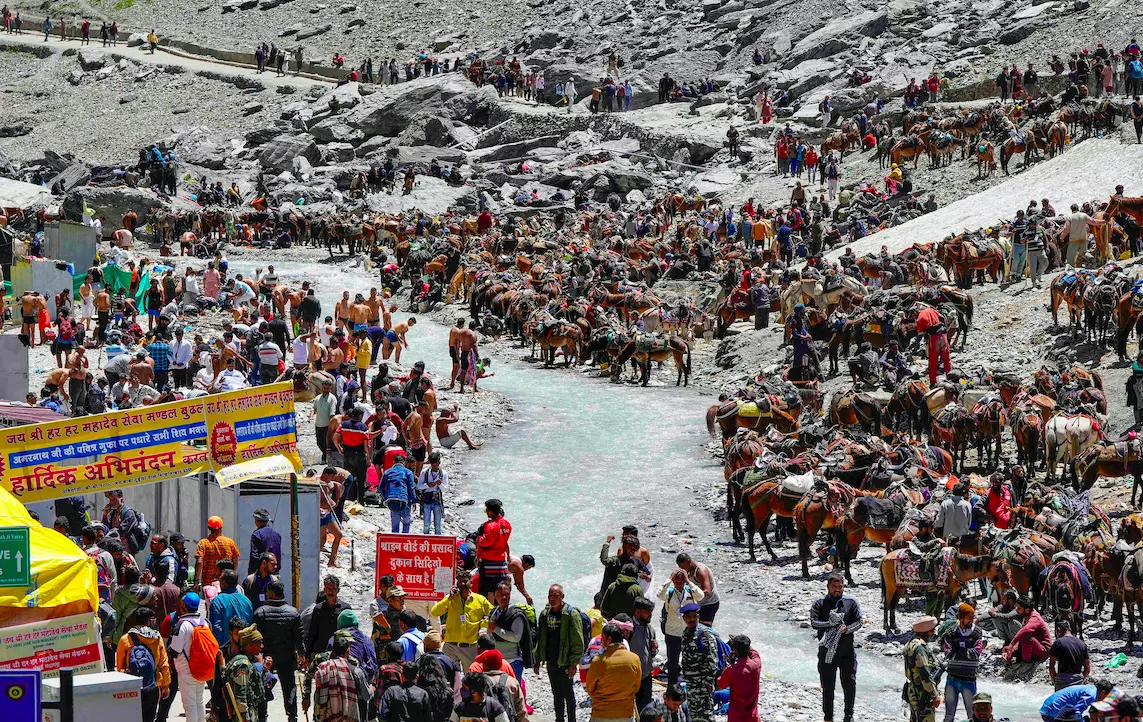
{"points": [[295, 552], [66, 703]]}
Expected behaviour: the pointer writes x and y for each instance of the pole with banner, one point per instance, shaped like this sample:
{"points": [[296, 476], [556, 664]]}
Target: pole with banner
{"points": [[295, 558]]}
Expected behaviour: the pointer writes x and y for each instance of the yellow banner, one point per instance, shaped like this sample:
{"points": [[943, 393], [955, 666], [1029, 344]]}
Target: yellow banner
{"points": [[148, 444]]}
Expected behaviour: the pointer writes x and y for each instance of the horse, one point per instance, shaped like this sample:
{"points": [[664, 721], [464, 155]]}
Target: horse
{"points": [[1029, 146], [850, 408], [757, 415], [908, 402], [1066, 436], [819, 511], [985, 158], [953, 429], [741, 451], [1099, 306], [1027, 429], [1064, 594], [1111, 459], [644, 352], [765, 500], [560, 335], [910, 147], [990, 417], [900, 571]]}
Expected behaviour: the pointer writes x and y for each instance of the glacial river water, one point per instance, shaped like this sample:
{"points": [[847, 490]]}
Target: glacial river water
{"points": [[584, 457]]}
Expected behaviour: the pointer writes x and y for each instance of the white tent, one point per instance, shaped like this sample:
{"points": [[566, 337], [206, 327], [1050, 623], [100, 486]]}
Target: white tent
{"points": [[18, 194]]}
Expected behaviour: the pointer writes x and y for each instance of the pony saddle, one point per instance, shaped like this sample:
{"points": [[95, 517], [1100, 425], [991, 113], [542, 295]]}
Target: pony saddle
{"points": [[652, 342], [882, 513]]}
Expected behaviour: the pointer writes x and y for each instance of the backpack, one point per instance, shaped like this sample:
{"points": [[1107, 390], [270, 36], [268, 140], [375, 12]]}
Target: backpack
{"points": [[141, 663], [724, 651], [102, 577], [138, 535], [663, 611], [528, 636], [585, 623], [505, 698], [202, 652]]}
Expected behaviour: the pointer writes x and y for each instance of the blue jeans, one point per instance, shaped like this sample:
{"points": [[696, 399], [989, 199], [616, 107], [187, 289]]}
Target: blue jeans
{"points": [[1019, 260], [518, 670], [346, 490], [400, 521], [432, 512], [955, 689]]}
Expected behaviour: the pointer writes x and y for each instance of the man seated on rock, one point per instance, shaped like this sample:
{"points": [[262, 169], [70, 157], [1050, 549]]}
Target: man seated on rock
{"points": [[1006, 617], [1032, 644]]}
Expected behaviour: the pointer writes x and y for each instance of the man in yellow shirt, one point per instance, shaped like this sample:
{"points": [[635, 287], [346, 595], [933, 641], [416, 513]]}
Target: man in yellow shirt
{"points": [[364, 353], [467, 612]]}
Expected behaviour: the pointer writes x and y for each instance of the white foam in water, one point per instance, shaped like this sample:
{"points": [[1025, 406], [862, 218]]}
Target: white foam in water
{"points": [[586, 457]]}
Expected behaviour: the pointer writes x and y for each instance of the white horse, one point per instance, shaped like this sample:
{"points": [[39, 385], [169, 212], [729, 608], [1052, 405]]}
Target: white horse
{"points": [[1066, 436], [811, 290]]}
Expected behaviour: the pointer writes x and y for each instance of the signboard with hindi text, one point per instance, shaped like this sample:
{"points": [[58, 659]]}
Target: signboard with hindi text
{"points": [[144, 445], [423, 565], [15, 557], [53, 644]]}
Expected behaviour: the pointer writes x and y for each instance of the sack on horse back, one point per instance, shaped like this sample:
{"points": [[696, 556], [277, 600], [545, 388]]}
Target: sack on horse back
{"points": [[882, 513], [799, 484], [652, 342]]}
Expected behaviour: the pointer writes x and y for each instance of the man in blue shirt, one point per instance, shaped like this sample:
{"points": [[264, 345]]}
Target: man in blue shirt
{"points": [[229, 603], [263, 539], [398, 489], [1070, 703]]}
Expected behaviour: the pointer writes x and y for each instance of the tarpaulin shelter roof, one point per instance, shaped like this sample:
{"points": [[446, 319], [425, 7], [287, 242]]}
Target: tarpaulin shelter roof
{"points": [[18, 194]]}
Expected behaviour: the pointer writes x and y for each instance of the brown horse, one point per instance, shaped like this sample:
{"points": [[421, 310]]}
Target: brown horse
{"points": [[908, 403], [820, 511], [757, 415], [985, 158], [953, 430], [1072, 295], [899, 573], [963, 258], [910, 147], [850, 408], [643, 353], [990, 417], [735, 307], [1027, 428], [1113, 460], [560, 335], [741, 451], [1031, 146], [764, 501]]}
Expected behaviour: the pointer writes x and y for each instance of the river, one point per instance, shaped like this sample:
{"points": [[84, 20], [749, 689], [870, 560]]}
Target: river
{"points": [[585, 457]]}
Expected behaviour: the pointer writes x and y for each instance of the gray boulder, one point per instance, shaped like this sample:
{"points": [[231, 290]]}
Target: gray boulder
{"points": [[136, 39], [337, 153], [390, 111], [335, 130], [280, 152], [514, 150], [836, 36], [92, 59], [115, 202], [311, 32]]}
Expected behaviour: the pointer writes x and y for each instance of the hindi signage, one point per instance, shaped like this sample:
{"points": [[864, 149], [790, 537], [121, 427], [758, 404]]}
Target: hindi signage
{"points": [[423, 565]]}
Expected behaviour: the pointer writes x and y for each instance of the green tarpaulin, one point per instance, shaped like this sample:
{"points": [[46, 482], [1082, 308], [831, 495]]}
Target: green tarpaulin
{"points": [[115, 278]]}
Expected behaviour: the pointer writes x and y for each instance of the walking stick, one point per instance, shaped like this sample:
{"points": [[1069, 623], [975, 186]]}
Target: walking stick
{"points": [[230, 696]]}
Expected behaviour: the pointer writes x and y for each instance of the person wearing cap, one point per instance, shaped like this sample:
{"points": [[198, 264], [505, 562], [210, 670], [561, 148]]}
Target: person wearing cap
{"points": [[1006, 616], [143, 632], [962, 646], [191, 691], [361, 647], [835, 617], [699, 663], [921, 673], [675, 594], [246, 679], [492, 547], [559, 645], [1033, 643], [325, 407], [448, 667], [982, 708], [466, 612], [263, 539], [742, 677], [214, 547], [178, 544]]}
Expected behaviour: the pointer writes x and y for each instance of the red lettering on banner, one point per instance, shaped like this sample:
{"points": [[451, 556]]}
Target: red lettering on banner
{"points": [[413, 560]]}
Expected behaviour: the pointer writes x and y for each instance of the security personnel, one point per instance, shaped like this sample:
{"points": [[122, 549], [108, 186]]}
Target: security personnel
{"points": [[922, 673]]}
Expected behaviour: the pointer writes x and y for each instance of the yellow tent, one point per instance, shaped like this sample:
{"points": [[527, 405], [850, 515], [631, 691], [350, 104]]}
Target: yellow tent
{"points": [[63, 576]]}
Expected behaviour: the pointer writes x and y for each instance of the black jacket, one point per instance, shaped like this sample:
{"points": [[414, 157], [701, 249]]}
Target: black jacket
{"points": [[405, 703], [819, 613], [323, 624], [281, 628]]}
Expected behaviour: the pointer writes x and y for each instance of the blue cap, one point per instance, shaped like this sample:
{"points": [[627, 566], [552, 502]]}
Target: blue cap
{"points": [[692, 607], [192, 601]]}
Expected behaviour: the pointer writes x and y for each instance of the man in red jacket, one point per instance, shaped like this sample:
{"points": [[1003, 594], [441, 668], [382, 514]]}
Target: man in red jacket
{"points": [[929, 323], [483, 222], [742, 677], [492, 548], [998, 502]]}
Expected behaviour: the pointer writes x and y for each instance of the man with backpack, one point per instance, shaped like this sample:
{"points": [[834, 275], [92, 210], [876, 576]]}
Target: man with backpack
{"points": [[141, 654], [559, 644], [700, 664], [511, 631], [502, 685], [195, 650], [228, 604], [621, 594], [117, 516]]}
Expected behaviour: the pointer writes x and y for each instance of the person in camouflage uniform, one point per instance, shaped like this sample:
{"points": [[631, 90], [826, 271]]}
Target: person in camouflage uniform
{"points": [[245, 678], [699, 664], [922, 673]]}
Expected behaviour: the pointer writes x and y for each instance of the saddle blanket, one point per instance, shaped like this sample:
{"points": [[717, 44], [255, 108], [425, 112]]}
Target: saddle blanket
{"points": [[907, 568]]}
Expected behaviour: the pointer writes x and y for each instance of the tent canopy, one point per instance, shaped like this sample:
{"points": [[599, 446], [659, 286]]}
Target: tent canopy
{"points": [[63, 576]]}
